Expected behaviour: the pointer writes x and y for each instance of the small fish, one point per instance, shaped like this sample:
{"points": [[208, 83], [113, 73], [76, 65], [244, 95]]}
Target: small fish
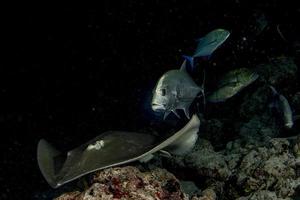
{"points": [[257, 23], [283, 107], [208, 44], [232, 83], [175, 90], [110, 149]]}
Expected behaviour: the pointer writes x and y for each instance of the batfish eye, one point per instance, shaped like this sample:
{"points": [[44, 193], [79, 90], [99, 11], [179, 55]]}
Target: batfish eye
{"points": [[163, 92]]}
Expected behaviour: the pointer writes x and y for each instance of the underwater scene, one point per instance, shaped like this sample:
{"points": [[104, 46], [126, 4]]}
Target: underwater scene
{"points": [[153, 100]]}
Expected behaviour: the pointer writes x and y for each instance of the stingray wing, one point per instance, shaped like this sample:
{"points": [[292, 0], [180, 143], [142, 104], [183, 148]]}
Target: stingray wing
{"points": [[107, 150]]}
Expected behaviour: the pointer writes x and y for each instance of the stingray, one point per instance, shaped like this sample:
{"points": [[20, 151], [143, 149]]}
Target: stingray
{"points": [[110, 149]]}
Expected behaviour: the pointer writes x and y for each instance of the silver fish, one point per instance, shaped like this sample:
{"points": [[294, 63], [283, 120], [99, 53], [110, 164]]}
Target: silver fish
{"points": [[110, 149], [232, 83], [208, 44], [175, 90], [284, 108]]}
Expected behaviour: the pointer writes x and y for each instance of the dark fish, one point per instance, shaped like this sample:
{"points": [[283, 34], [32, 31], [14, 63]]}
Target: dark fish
{"points": [[232, 83], [208, 44], [110, 149], [283, 107]]}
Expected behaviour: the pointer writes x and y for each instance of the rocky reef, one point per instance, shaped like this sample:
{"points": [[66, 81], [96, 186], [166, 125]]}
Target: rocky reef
{"points": [[130, 183]]}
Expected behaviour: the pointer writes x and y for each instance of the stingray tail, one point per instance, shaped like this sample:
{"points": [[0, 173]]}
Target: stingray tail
{"points": [[50, 161]]}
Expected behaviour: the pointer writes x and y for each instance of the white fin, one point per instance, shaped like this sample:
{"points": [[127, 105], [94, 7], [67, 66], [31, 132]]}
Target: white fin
{"points": [[186, 112], [289, 125], [165, 153], [146, 158], [274, 91], [183, 66], [175, 112], [46, 157], [166, 114], [183, 144]]}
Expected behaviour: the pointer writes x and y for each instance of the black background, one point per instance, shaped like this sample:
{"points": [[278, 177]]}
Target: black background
{"points": [[74, 72]]}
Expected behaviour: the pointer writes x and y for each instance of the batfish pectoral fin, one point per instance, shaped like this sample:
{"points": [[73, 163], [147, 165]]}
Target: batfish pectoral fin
{"points": [[50, 161]]}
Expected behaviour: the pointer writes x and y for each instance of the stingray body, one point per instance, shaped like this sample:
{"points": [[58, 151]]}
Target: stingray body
{"points": [[110, 149]]}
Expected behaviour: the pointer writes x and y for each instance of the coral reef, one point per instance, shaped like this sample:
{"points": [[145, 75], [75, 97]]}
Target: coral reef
{"points": [[278, 70], [130, 183], [208, 194], [207, 162], [189, 188], [262, 195], [270, 167], [255, 103], [259, 128], [255, 170]]}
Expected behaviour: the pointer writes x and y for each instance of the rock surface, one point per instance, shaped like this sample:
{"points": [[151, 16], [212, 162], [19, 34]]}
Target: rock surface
{"points": [[263, 195], [130, 183], [254, 170], [278, 70]]}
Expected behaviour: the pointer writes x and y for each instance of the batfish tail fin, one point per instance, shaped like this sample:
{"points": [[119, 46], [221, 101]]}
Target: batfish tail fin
{"points": [[50, 161], [190, 59]]}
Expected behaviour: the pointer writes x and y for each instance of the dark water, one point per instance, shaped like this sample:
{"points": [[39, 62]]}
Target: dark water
{"points": [[75, 72]]}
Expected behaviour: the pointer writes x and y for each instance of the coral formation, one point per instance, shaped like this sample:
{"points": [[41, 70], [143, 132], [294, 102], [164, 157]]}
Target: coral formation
{"points": [[130, 183], [278, 70]]}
